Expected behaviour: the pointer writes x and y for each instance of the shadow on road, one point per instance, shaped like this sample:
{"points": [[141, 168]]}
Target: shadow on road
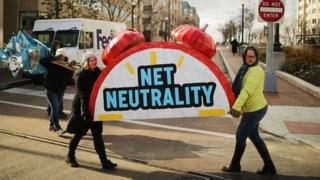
{"points": [[151, 148]]}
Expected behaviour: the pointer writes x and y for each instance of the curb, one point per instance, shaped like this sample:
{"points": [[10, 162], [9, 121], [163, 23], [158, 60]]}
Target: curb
{"points": [[228, 67], [297, 82], [22, 82]]}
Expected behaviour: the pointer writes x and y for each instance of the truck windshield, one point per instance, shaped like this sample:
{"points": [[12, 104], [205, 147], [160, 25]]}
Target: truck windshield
{"points": [[69, 38], [45, 37]]}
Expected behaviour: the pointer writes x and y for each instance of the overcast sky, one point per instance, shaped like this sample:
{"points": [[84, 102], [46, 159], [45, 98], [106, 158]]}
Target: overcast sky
{"points": [[217, 12]]}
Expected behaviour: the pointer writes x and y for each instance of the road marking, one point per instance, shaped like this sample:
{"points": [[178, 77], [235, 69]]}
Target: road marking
{"points": [[30, 92], [212, 133]]}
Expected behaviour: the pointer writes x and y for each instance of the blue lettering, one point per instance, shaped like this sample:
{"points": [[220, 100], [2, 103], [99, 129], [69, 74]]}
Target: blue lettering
{"points": [[155, 97], [144, 93], [208, 92], [170, 70], [122, 99], [157, 76], [111, 100], [134, 100], [196, 90], [187, 95], [177, 96], [145, 76], [167, 97]]}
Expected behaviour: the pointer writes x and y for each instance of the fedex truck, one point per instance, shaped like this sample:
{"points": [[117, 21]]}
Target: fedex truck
{"points": [[77, 35]]}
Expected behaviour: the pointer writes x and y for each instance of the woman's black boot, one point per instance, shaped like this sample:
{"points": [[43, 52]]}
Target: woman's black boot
{"points": [[72, 162], [232, 168], [268, 168], [235, 166]]}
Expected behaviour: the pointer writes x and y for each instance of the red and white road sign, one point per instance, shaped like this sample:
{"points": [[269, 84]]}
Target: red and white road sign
{"points": [[271, 10]]}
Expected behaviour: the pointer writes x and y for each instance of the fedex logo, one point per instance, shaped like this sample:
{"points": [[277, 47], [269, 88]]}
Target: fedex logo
{"points": [[103, 40]]}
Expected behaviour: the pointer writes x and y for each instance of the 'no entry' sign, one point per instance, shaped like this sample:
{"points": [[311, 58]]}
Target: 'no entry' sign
{"points": [[271, 10]]}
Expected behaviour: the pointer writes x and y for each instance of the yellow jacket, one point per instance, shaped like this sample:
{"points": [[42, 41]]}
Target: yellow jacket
{"points": [[251, 96]]}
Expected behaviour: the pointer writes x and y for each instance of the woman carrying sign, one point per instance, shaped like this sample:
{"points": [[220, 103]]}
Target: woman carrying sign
{"points": [[248, 88], [81, 120]]}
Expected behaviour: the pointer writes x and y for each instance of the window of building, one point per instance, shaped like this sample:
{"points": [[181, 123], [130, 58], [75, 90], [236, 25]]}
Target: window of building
{"points": [[314, 21], [147, 9], [27, 19], [314, 10], [146, 20]]}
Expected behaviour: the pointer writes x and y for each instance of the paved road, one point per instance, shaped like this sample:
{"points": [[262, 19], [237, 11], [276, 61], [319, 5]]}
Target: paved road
{"points": [[200, 145]]}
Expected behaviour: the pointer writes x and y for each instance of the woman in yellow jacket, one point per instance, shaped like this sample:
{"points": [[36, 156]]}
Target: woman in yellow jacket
{"points": [[248, 88]]}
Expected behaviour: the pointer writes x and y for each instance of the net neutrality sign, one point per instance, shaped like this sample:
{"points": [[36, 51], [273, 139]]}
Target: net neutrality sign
{"points": [[160, 80]]}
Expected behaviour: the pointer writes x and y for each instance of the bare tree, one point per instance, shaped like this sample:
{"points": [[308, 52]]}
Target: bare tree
{"points": [[71, 8], [248, 21], [117, 10]]}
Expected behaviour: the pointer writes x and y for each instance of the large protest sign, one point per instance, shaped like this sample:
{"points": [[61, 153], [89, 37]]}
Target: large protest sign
{"points": [[160, 80]]}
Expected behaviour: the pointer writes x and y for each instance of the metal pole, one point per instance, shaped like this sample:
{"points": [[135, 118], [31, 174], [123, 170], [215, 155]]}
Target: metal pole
{"points": [[169, 20], [270, 84], [165, 29], [132, 20], [242, 22], [58, 8]]}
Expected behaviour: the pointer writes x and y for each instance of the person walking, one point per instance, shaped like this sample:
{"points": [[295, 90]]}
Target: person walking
{"points": [[56, 44], [55, 83], [248, 89], [234, 46], [81, 120]]}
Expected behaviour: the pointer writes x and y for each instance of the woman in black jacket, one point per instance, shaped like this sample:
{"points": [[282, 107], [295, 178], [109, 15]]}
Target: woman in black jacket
{"points": [[81, 120]]}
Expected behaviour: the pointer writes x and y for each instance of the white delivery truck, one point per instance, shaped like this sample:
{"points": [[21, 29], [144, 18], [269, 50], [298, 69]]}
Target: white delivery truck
{"points": [[77, 35]]}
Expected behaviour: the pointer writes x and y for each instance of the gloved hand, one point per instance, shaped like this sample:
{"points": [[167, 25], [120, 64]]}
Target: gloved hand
{"points": [[235, 113], [86, 119]]}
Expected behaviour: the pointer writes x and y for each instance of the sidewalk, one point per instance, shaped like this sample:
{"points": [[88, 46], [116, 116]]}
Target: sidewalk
{"points": [[293, 113]]}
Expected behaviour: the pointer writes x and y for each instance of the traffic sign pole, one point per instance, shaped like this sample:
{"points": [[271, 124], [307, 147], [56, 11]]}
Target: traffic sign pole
{"points": [[270, 84], [270, 11]]}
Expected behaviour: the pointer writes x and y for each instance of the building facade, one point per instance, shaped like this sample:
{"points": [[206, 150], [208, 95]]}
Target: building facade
{"points": [[20, 14], [189, 14], [154, 18], [308, 22]]}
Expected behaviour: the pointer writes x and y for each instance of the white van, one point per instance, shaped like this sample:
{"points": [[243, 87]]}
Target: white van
{"points": [[77, 35]]}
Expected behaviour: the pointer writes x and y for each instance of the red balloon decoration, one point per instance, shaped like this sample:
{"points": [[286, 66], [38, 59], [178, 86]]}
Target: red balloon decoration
{"points": [[195, 38], [120, 43]]}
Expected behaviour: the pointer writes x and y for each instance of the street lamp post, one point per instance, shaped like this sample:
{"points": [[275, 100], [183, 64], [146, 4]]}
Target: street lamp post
{"points": [[58, 8], [166, 29], [242, 20], [132, 15]]}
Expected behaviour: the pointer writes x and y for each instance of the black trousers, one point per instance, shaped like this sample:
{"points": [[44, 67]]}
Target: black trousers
{"points": [[96, 131]]}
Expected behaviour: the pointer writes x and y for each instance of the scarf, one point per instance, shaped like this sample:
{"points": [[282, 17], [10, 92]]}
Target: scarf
{"points": [[236, 85]]}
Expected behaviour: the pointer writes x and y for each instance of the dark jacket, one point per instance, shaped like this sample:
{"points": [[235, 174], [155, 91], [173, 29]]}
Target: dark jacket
{"points": [[234, 45], [57, 77], [81, 120]]}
